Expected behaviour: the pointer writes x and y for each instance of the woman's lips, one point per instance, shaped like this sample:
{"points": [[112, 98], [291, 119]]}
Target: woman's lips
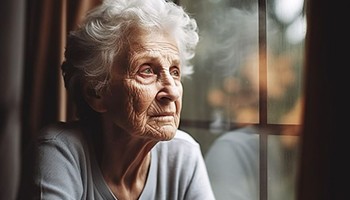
{"points": [[168, 116]]}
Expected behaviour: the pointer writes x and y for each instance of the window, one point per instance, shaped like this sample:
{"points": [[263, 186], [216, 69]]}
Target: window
{"points": [[248, 71]]}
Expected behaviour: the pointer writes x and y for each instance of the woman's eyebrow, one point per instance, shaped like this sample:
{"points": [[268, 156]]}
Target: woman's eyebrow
{"points": [[150, 56]]}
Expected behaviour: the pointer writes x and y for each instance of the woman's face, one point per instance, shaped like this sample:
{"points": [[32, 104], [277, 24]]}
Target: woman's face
{"points": [[146, 92]]}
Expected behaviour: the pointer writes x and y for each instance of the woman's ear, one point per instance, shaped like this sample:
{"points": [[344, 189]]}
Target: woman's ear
{"points": [[95, 101]]}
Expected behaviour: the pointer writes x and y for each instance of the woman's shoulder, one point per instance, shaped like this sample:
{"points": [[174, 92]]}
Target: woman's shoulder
{"points": [[62, 139], [181, 152], [61, 132], [185, 137], [182, 142]]}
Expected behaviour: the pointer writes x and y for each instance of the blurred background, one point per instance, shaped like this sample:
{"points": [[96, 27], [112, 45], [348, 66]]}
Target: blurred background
{"points": [[249, 71]]}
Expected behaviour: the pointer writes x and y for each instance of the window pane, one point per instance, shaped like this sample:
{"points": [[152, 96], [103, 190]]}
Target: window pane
{"points": [[223, 95], [223, 91], [282, 165], [286, 30], [233, 165]]}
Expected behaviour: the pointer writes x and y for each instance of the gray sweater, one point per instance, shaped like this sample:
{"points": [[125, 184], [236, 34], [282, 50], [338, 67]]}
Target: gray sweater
{"points": [[67, 168]]}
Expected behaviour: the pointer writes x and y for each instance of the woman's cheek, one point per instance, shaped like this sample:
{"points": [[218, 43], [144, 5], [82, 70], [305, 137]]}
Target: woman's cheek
{"points": [[139, 101], [178, 103], [142, 97]]}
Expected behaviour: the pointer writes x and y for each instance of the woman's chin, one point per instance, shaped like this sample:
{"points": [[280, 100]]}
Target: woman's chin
{"points": [[162, 133]]}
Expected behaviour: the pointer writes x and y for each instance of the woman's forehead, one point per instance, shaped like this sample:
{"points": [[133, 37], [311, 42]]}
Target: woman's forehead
{"points": [[140, 38], [153, 44]]}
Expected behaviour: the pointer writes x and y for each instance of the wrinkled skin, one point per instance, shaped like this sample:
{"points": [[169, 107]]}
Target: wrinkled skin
{"points": [[146, 92], [141, 108]]}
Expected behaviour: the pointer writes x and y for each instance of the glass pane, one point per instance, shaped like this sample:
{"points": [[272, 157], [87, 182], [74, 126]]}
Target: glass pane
{"points": [[222, 95], [223, 91], [286, 28], [233, 165], [282, 165]]}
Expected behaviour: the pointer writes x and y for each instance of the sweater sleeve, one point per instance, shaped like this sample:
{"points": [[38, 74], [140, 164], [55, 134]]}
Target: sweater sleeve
{"points": [[58, 165]]}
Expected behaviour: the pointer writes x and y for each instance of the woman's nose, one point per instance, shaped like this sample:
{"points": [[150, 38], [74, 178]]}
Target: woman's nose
{"points": [[170, 88]]}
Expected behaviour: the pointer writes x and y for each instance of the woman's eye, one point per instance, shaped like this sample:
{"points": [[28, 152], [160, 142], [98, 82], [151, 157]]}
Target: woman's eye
{"points": [[146, 70], [175, 72]]}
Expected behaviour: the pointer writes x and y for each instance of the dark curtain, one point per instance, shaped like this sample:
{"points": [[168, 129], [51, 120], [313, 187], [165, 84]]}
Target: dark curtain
{"points": [[48, 23], [324, 149], [11, 58], [44, 99]]}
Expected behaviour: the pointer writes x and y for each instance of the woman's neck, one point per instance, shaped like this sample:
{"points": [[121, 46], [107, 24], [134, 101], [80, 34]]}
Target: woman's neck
{"points": [[124, 161]]}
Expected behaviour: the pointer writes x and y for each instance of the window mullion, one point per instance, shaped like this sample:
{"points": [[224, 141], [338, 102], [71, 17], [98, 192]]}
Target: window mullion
{"points": [[262, 100]]}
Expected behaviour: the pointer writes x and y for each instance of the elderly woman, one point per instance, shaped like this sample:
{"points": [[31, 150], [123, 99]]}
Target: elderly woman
{"points": [[123, 67]]}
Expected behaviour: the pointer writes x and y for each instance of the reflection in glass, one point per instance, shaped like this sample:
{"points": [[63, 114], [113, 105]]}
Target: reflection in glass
{"points": [[233, 165], [221, 100], [225, 82], [286, 28]]}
